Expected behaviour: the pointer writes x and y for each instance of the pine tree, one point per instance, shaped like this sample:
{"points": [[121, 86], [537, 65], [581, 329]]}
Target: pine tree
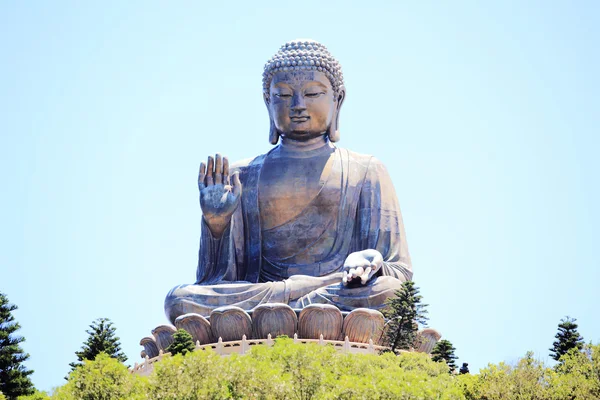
{"points": [[101, 339], [444, 351], [404, 312], [182, 343], [14, 377], [567, 338]]}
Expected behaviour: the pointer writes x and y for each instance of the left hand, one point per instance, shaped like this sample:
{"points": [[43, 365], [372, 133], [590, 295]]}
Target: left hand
{"points": [[360, 266]]}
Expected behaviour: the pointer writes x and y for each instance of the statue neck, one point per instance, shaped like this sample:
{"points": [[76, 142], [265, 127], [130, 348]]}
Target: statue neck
{"points": [[305, 148]]}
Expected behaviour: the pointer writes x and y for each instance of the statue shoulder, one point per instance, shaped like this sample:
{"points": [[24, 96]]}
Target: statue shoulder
{"points": [[242, 165], [365, 160]]}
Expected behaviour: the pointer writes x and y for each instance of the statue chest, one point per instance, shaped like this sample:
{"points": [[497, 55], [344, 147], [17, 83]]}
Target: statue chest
{"points": [[288, 186]]}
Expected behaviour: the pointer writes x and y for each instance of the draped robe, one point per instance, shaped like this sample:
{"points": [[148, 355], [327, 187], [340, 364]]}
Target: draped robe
{"points": [[300, 261]]}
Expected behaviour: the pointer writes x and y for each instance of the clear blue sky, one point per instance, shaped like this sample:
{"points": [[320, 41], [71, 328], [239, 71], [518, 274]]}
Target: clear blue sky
{"points": [[486, 114]]}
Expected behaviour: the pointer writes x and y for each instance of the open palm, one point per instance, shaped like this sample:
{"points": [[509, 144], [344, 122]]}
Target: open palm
{"points": [[219, 193]]}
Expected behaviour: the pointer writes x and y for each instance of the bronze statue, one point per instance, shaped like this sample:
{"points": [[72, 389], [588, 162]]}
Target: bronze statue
{"points": [[306, 223]]}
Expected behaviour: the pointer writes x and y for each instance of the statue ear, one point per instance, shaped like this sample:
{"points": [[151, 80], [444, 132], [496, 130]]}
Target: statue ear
{"points": [[333, 132], [273, 134]]}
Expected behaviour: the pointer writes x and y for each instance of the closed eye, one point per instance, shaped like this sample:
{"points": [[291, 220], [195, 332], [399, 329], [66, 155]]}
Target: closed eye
{"points": [[283, 95], [314, 94]]}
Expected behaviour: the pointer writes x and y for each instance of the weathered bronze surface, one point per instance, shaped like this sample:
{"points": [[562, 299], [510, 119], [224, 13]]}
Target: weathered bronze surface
{"points": [[306, 223], [197, 326]]}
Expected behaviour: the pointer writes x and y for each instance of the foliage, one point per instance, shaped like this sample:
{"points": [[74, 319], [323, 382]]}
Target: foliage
{"points": [[14, 377], [204, 374], [527, 380], [35, 396], [101, 339], [102, 379], [444, 351], [308, 371], [296, 371], [182, 343], [567, 338], [578, 374], [2, 396], [576, 377], [404, 312]]}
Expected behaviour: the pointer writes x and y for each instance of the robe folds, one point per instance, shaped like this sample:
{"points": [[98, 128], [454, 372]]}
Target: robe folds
{"points": [[301, 261]]}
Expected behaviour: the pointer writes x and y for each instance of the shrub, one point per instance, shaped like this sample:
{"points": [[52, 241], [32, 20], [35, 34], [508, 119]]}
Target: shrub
{"points": [[102, 379], [296, 371]]}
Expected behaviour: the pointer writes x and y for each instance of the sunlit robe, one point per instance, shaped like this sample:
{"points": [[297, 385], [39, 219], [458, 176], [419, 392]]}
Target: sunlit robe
{"points": [[300, 262]]}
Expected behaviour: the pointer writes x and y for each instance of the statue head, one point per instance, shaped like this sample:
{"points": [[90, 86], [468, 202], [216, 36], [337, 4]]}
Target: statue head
{"points": [[303, 89]]}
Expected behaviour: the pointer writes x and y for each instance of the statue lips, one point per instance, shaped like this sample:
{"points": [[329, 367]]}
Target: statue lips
{"points": [[299, 120]]}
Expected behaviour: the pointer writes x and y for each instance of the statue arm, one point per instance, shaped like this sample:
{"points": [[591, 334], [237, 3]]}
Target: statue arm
{"points": [[221, 259], [380, 224], [216, 257]]}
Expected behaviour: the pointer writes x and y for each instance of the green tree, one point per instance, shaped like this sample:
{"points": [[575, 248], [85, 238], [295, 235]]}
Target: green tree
{"points": [[290, 370], [35, 396], [101, 339], [444, 351], [578, 374], [182, 343], [14, 377], [528, 379], [103, 378], [567, 338], [404, 312]]}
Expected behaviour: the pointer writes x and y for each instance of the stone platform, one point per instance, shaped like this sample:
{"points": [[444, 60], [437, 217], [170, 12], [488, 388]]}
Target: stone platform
{"points": [[316, 322], [244, 345]]}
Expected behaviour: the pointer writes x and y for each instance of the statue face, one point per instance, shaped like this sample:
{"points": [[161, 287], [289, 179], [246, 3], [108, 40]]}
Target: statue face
{"points": [[302, 104]]}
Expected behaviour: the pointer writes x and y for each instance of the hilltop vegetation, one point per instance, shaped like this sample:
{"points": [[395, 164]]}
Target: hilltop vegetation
{"points": [[295, 371]]}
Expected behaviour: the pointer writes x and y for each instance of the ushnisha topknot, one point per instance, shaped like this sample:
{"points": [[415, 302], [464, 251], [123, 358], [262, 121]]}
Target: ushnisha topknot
{"points": [[304, 54]]}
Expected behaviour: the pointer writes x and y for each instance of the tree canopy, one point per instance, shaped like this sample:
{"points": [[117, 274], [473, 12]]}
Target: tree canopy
{"points": [[444, 351], [567, 338], [101, 339], [404, 312], [14, 377], [308, 371], [182, 343]]}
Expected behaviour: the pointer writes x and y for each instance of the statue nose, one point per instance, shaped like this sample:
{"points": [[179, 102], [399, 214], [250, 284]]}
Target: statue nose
{"points": [[298, 103]]}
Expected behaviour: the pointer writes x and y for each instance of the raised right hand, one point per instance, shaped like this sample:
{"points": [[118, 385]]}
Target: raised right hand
{"points": [[219, 198]]}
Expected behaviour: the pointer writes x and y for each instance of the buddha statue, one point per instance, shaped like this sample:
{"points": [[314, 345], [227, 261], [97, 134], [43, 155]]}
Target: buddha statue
{"points": [[307, 222]]}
